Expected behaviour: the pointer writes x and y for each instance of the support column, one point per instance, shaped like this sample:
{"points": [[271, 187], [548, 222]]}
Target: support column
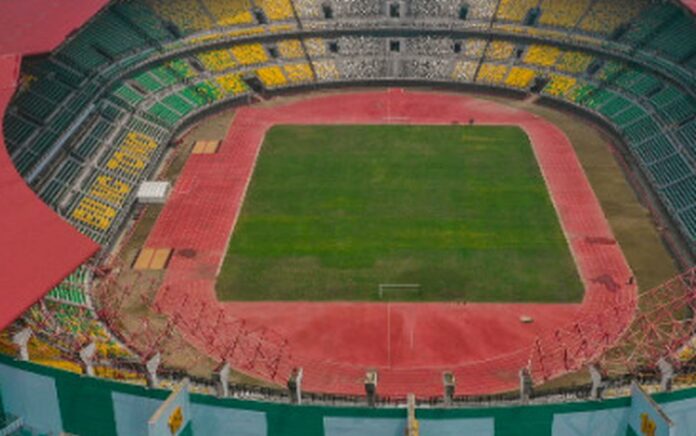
{"points": [[666, 374], [87, 357], [371, 388], [449, 385], [412, 425], [21, 339], [525, 385], [597, 382], [151, 366], [222, 380], [295, 386]]}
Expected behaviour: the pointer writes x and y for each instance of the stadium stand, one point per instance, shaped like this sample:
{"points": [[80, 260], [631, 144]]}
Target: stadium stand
{"points": [[354, 57], [515, 10], [85, 151], [291, 49], [298, 73], [188, 17], [230, 13], [316, 47], [520, 77], [326, 70], [276, 10], [573, 62], [492, 73], [562, 13], [605, 16], [358, 9], [249, 54], [544, 56], [499, 50], [465, 71], [474, 47], [271, 77], [217, 60]]}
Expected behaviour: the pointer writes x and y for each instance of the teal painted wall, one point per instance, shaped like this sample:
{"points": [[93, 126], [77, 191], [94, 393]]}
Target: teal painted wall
{"points": [[88, 406]]}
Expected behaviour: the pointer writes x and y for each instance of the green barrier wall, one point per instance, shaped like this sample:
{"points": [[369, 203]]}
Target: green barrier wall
{"points": [[52, 401]]}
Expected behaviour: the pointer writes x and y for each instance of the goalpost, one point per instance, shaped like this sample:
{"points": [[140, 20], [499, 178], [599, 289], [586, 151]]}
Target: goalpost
{"points": [[397, 287]]}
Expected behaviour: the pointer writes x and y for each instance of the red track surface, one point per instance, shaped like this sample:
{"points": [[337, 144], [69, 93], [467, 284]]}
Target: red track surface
{"points": [[409, 344]]}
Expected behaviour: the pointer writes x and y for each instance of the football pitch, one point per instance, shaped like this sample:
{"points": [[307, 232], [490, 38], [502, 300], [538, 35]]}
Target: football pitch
{"points": [[463, 212]]}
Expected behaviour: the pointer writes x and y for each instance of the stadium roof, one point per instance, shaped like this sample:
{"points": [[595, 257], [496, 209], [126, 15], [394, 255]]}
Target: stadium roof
{"points": [[37, 248], [36, 26]]}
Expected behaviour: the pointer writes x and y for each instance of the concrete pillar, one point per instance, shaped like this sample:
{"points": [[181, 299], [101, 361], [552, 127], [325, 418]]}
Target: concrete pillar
{"points": [[222, 380], [597, 382], [151, 366], [412, 425], [525, 385], [371, 388], [666, 374], [21, 338], [295, 386], [449, 384], [87, 357]]}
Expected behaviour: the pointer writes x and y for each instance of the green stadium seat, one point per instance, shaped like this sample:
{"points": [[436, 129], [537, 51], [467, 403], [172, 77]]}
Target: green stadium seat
{"points": [[140, 15], [178, 104], [682, 195], [670, 170], [147, 81], [654, 149], [688, 217]]}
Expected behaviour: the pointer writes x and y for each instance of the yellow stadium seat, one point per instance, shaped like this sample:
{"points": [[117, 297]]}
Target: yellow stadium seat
{"points": [[515, 10], [249, 54], [231, 83], [271, 77], [217, 60], [492, 73], [230, 12], [520, 77], [276, 10], [499, 50], [187, 15], [574, 61], [298, 73], [544, 55], [562, 13], [606, 15], [291, 49], [559, 85]]}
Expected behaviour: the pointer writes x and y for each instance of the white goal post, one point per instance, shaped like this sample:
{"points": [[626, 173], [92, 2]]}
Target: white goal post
{"points": [[397, 287]]}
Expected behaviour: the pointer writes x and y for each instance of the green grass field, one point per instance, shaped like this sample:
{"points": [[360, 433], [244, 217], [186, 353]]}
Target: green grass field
{"points": [[334, 211]]}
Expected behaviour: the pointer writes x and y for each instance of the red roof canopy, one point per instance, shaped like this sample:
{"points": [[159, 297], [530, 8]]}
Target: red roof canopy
{"points": [[38, 249], [36, 26]]}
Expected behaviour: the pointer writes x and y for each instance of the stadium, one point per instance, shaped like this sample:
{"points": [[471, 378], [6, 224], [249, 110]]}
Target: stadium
{"points": [[348, 217]]}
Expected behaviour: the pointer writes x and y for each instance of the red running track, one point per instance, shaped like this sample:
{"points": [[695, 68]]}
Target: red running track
{"points": [[410, 345]]}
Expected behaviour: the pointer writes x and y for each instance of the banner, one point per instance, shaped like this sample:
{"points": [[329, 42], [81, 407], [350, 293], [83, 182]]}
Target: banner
{"points": [[173, 415], [646, 417]]}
